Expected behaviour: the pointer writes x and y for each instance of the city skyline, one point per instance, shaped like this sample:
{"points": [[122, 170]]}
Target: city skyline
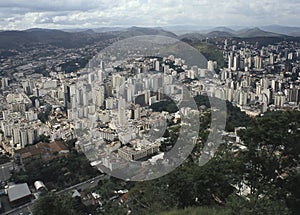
{"points": [[20, 15]]}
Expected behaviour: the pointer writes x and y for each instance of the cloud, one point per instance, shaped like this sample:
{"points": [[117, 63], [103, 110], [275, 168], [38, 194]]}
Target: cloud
{"points": [[53, 5], [21, 14]]}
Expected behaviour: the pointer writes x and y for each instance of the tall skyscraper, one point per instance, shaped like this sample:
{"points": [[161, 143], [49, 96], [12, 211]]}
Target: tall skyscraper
{"points": [[4, 83], [122, 120], [230, 61], [258, 62], [236, 63], [117, 80], [99, 95], [271, 60]]}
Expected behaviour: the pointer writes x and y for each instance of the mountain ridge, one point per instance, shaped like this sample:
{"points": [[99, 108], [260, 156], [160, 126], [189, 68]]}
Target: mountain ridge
{"points": [[14, 39]]}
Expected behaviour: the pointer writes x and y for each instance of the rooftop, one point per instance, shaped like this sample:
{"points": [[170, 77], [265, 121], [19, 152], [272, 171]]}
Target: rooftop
{"points": [[18, 191]]}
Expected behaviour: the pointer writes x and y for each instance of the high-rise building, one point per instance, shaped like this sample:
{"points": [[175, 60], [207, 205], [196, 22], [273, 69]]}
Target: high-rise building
{"points": [[147, 96], [117, 80], [258, 62], [248, 62], [236, 63], [294, 95], [279, 99], [243, 97], [230, 61], [100, 75], [122, 120], [157, 65], [91, 77], [99, 95], [23, 138], [110, 103], [271, 60], [4, 83], [102, 65], [211, 65], [264, 82], [137, 112]]}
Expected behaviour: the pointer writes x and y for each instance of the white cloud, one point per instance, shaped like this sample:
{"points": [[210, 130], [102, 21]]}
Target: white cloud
{"points": [[20, 14]]}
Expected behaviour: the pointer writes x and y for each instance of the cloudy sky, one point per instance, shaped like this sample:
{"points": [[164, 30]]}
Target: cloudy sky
{"points": [[23, 14]]}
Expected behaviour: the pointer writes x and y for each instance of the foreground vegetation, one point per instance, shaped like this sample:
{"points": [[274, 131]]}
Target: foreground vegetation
{"points": [[268, 167]]}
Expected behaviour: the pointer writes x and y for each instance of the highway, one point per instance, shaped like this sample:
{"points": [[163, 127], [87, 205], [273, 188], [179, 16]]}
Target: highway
{"points": [[84, 185]]}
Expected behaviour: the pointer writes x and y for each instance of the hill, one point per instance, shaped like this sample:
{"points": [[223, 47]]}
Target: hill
{"points": [[58, 38], [210, 52], [192, 37], [256, 32], [31, 37], [223, 28], [137, 31], [222, 34], [287, 30]]}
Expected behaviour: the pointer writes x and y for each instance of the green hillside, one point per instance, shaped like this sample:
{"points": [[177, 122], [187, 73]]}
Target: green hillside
{"points": [[211, 52]]}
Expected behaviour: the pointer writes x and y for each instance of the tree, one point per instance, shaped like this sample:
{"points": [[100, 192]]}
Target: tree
{"points": [[44, 138], [50, 204], [44, 116], [272, 155], [112, 208], [241, 206]]}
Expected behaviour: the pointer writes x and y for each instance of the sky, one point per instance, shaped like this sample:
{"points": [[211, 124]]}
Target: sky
{"points": [[64, 14]]}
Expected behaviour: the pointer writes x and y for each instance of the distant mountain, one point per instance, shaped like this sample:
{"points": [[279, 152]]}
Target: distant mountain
{"points": [[239, 31], [222, 29], [222, 34], [185, 29], [242, 31], [59, 38], [41, 30], [256, 32], [82, 37], [97, 30], [251, 34], [17, 39], [137, 31], [198, 37], [192, 37], [108, 29], [291, 31]]}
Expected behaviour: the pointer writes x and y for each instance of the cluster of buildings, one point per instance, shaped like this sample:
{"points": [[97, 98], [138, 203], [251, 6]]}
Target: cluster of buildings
{"points": [[256, 79], [25, 119], [19, 123], [261, 78], [114, 108], [107, 104]]}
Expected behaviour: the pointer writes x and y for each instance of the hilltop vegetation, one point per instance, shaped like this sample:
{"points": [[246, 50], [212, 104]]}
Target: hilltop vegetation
{"points": [[211, 52]]}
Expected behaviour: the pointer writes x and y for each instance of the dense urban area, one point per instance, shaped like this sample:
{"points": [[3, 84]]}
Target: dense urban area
{"points": [[70, 122]]}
